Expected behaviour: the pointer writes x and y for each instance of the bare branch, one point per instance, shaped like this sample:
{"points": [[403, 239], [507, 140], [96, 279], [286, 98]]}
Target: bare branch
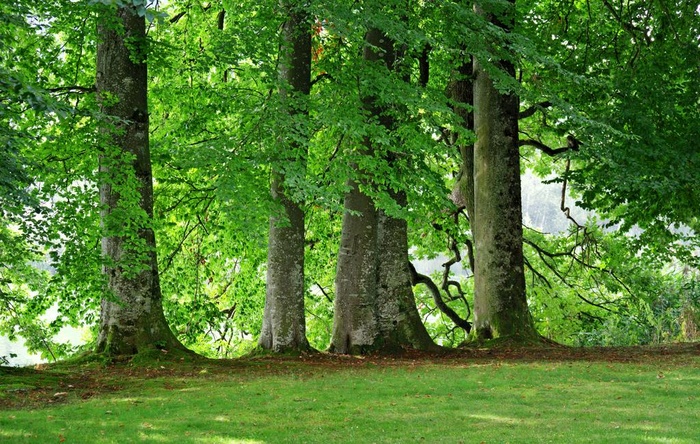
{"points": [[470, 253], [417, 278], [323, 291], [176, 18], [571, 145], [73, 89], [524, 114], [566, 210]]}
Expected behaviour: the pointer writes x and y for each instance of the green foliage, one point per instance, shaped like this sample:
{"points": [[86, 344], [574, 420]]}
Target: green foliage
{"points": [[622, 79], [210, 154], [141, 7], [586, 287], [44, 138], [322, 238], [637, 110]]}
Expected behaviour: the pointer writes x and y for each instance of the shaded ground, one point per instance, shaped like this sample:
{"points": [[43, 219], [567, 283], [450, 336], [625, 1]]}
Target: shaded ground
{"points": [[47, 385]]}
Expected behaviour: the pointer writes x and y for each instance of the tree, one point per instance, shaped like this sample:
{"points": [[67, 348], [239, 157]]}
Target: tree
{"points": [[131, 318], [284, 323], [400, 324], [355, 326], [500, 304], [234, 139], [374, 305]]}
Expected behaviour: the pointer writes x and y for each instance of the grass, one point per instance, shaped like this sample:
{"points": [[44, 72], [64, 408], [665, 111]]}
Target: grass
{"points": [[490, 400]]}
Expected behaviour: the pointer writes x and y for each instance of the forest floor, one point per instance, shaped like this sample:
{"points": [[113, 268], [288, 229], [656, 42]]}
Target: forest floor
{"points": [[499, 395], [51, 384]]}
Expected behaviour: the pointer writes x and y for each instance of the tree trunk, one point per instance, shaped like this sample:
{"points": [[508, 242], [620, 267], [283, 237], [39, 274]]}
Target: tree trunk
{"points": [[400, 324], [461, 91], [131, 318], [500, 304], [355, 327], [374, 304], [284, 323]]}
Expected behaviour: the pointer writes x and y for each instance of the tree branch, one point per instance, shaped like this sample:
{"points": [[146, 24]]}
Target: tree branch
{"points": [[424, 66], [565, 209], [571, 145], [524, 114], [323, 291], [73, 89], [537, 274], [446, 282], [176, 18], [417, 278], [320, 77], [575, 259], [220, 19], [633, 30]]}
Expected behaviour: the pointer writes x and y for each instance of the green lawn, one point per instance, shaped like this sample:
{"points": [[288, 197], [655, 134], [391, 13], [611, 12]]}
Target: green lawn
{"points": [[446, 401]]}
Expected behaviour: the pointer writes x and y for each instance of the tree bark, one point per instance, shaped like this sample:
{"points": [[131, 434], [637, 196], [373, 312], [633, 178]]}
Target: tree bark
{"points": [[355, 326], [400, 324], [500, 304], [131, 318], [284, 323]]}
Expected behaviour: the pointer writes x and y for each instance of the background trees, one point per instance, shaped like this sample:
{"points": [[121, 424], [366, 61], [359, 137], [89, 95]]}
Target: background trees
{"points": [[617, 82]]}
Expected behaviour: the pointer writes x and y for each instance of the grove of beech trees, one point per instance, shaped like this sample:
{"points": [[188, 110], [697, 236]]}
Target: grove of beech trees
{"points": [[225, 177]]}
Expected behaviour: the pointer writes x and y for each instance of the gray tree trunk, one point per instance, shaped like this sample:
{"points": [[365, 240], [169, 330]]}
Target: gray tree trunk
{"points": [[284, 323], [131, 318], [500, 304], [355, 327], [400, 324], [374, 304]]}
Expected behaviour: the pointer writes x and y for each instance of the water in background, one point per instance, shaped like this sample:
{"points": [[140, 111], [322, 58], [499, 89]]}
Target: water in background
{"points": [[23, 358]]}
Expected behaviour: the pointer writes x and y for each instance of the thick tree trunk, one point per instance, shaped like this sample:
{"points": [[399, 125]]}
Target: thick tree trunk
{"points": [[131, 318], [374, 304], [355, 327], [284, 324], [400, 324], [500, 304]]}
